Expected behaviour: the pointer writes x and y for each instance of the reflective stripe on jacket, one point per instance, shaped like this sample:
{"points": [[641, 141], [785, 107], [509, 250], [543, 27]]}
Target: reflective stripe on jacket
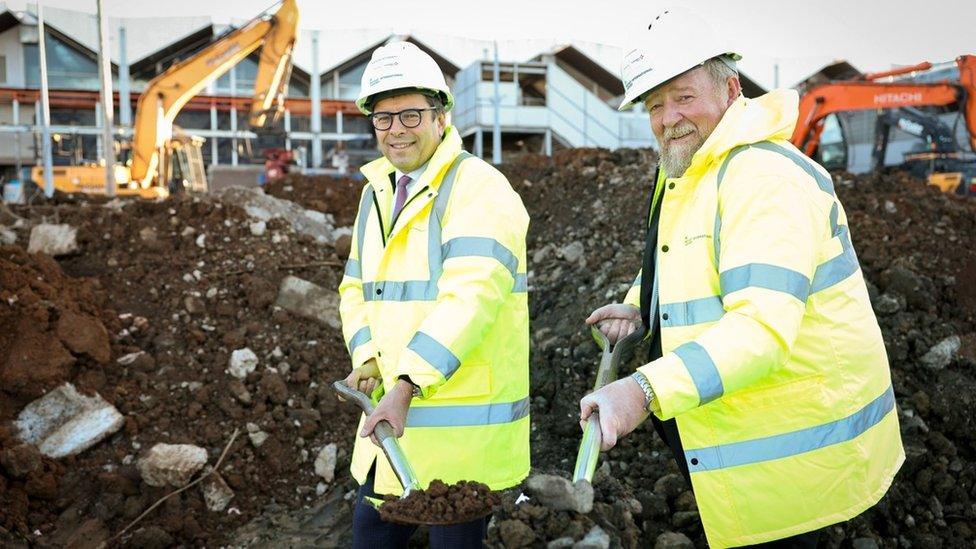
{"points": [[441, 297], [774, 366]]}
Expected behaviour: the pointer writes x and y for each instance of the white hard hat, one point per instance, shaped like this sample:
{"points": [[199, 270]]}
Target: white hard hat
{"points": [[401, 65], [674, 41]]}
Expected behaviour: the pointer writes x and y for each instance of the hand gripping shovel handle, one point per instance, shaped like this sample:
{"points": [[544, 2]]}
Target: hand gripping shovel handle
{"points": [[589, 450], [386, 435]]}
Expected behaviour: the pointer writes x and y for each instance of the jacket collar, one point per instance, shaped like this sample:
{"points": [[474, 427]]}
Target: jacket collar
{"points": [[378, 171]]}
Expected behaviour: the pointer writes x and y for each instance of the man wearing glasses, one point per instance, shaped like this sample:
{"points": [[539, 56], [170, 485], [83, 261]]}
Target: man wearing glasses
{"points": [[433, 302]]}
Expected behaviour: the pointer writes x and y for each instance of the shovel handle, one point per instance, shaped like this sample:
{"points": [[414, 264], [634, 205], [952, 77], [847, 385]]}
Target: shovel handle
{"points": [[589, 450], [385, 435], [356, 397], [383, 429], [610, 358]]}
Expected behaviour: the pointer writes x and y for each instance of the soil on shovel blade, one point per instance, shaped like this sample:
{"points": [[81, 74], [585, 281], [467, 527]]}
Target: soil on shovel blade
{"points": [[442, 504]]}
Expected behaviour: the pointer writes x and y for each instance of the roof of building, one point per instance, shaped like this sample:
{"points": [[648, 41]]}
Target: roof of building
{"points": [[838, 70], [151, 42]]}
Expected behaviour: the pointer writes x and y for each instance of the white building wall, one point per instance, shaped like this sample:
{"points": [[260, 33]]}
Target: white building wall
{"points": [[574, 114], [13, 51]]}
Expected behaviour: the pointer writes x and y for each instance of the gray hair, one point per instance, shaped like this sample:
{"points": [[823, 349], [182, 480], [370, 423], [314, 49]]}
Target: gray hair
{"points": [[720, 69], [434, 101]]}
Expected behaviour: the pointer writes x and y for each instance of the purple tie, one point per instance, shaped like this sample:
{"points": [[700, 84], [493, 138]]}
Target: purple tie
{"points": [[401, 195]]}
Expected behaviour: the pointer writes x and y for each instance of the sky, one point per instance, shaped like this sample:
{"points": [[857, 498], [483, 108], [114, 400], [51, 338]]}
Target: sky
{"points": [[796, 37]]}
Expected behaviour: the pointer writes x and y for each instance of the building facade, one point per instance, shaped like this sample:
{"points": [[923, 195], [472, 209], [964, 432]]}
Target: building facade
{"points": [[555, 96]]}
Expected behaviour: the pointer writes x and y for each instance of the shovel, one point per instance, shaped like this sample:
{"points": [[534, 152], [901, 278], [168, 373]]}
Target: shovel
{"points": [[589, 449], [387, 437], [398, 461]]}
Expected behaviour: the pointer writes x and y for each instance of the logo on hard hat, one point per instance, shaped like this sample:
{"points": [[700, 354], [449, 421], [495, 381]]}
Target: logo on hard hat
{"points": [[630, 82]]}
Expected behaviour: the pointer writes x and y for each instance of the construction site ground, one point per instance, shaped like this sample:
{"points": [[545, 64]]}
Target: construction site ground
{"points": [[143, 280]]}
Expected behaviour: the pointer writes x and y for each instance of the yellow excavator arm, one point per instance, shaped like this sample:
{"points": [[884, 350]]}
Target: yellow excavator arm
{"points": [[274, 69], [166, 94]]}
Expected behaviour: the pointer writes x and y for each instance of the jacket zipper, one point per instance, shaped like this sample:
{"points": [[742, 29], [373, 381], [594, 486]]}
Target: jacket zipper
{"points": [[379, 218], [405, 204]]}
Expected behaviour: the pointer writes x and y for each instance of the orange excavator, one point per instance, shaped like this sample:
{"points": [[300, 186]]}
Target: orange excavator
{"points": [[163, 159], [945, 163]]}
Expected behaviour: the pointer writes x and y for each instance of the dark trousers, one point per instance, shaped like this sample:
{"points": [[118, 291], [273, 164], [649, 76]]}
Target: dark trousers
{"points": [[369, 532]]}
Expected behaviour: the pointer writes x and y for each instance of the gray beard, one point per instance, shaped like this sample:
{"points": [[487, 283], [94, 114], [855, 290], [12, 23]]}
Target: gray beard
{"points": [[676, 164], [677, 159]]}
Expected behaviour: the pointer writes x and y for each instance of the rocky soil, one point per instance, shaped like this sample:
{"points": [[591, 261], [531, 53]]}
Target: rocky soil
{"points": [[441, 503], [175, 288]]}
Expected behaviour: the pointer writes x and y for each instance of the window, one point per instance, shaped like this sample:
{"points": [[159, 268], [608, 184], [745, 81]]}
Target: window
{"points": [[3, 69], [66, 66], [833, 146], [297, 88], [245, 72], [349, 82]]}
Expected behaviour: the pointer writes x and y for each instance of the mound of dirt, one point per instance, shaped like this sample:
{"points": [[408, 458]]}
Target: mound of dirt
{"points": [[148, 314], [178, 286], [441, 503]]}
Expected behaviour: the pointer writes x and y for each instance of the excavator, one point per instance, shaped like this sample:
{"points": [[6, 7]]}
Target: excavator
{"points": [[939, 158], [942, 161], [164, 159]]}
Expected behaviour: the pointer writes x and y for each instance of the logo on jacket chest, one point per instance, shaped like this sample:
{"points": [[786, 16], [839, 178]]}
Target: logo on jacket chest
{"points": [[689, 239]]}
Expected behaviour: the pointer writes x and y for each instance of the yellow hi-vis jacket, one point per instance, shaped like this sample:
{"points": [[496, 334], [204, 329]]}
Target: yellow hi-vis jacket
{"points": [[774, 366], [439, 296]]}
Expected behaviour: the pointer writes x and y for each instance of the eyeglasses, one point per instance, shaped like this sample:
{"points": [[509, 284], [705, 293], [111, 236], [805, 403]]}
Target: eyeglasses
{"points": [[410, 118]]}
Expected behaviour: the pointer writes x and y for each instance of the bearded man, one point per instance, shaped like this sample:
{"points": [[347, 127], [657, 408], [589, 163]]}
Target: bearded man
{"points": [[767, 374]]}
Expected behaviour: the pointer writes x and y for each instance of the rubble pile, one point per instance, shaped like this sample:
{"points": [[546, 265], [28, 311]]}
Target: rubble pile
{"points": [[170, 312], [336, 196], [194, 317]]}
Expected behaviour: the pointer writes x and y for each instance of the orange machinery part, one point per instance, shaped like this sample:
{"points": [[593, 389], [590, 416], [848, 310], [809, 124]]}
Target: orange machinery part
{"points": [[842, 96]]}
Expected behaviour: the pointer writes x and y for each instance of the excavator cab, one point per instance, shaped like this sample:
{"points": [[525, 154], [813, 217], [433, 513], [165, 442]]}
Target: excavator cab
{"points": [[182, 165]]}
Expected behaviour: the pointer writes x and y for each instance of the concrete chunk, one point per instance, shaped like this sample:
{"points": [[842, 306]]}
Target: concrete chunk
{"points": [[54, 240], [216, 493], [7, 236], [572, 252], [325, 463], [242, 362], [256, 435], [258, 228], [309, 300], [673, 540], [942, 354], [262, 207], [560, 494], [65, 422], [171, 464], [596, 538]]}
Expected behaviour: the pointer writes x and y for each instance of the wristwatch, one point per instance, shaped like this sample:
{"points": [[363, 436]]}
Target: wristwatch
{"points": [[416, 388], [649, 396]]}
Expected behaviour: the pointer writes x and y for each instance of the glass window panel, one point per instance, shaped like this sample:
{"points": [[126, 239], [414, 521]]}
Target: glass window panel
{"points": [[66, 66]]}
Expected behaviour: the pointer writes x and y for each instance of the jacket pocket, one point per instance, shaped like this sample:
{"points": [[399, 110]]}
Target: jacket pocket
{"points": [[470, 380], [780, 395]]}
